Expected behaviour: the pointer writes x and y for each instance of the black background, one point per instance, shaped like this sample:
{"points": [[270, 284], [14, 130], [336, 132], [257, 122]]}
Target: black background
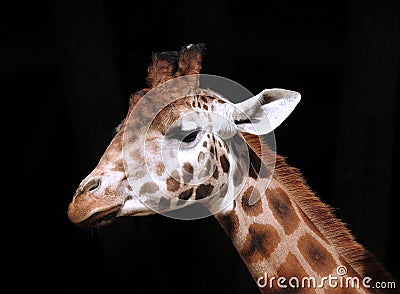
{"points": [[70, 67]]}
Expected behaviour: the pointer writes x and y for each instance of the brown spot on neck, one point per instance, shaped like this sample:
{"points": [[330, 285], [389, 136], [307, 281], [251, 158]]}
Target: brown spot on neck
{"points": [[203, 191], [185, 195], [292, 268], [224, 163], [282, 209], [230, 223], [320, 259], [256, 208], [261, 241]]}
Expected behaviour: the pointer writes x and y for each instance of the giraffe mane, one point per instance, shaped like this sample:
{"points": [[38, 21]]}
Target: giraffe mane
{"points": [[322, 215]]}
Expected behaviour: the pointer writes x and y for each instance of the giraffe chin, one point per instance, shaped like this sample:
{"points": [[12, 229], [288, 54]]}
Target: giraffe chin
{"points": [[101, 218]]}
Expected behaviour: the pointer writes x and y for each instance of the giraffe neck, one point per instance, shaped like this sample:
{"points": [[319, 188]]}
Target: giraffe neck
{"points": [[276, 239], [290, 234]]}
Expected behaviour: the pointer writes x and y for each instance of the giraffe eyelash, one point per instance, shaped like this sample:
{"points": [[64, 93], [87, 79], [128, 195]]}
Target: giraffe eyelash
{"points": [[184, 136]]}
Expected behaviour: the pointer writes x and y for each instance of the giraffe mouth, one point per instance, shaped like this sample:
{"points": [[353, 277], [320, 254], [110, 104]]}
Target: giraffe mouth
{"points": [[101, 218]]}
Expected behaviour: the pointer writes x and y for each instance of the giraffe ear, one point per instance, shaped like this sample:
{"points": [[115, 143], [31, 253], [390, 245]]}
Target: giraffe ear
{"points": [[264, 112]]}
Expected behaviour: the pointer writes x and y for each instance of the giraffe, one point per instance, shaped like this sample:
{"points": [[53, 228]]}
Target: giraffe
{"points": [[289, 240]]}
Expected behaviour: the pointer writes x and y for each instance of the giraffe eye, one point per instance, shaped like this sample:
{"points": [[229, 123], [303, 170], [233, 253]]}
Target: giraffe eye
{"points": [[190, 137]]}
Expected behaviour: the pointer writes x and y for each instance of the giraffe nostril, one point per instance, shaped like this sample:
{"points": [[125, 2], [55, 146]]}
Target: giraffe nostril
{"points": [[91, 185]]}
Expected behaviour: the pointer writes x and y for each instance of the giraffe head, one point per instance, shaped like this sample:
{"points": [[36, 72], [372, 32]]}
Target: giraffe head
{"points": [[179, 151]]}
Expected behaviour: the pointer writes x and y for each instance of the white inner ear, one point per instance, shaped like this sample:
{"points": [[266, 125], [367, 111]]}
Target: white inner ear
{"points": [[264, 112]]}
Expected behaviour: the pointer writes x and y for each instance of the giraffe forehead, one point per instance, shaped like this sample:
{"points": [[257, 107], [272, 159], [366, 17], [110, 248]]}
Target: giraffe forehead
{"points": [[192, 120], [170, 113]]}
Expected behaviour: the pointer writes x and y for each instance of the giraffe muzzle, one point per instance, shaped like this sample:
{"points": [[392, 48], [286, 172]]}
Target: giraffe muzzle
{"points": [[101, 218], [92, 206]]}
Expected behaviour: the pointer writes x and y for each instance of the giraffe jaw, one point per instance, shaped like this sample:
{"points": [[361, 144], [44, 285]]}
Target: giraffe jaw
{"points": [[134, 207], [84, 216]]}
